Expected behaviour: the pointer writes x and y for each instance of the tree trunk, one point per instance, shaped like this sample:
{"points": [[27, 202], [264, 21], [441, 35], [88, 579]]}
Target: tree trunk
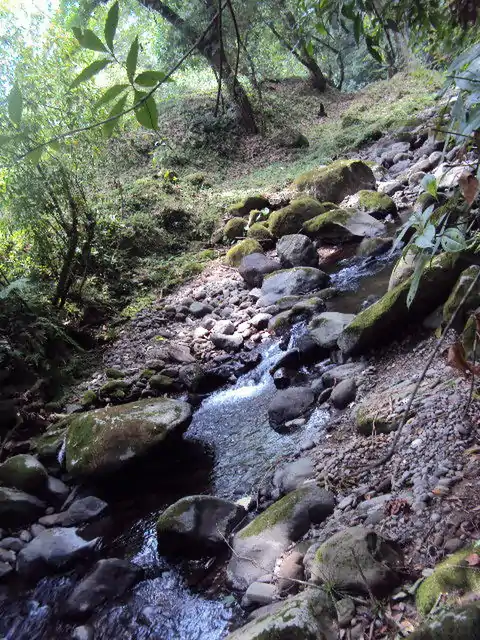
{"points": [[317, 78], [210, 48]]}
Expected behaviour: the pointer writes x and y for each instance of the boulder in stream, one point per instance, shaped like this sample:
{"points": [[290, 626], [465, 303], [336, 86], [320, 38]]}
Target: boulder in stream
{"points": [[24, 472], [289, 404], [18, 508], [296, 250], [343, 225], [197, 525], [110, 578], [255, 266], [325, 328], [258, 545], [336, 181], [291, 282], [103, 440]]}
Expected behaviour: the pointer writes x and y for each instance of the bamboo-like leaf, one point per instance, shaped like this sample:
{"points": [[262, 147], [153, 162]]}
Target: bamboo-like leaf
{"points": [[149, 78], [111, 24], [119, 107], [90, 71], [421, 263], [132, 59], [88, 40], [110, 94], [147, 114], [15, 104], [357, 27]]}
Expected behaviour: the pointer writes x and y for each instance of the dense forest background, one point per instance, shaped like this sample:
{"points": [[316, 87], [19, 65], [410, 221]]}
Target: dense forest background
{"points": [[129, 128]]}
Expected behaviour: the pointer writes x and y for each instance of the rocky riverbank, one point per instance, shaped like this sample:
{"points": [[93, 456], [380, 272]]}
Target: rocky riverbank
{"points": [[331, 515]]}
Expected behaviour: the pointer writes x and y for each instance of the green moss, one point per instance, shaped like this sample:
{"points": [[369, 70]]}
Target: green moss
{"points": [[320, 223], [148, 373], [369, 422], [281, 322], [291, 218], [259, 231], [235, 228], [160, 382], [243, 248], [196, 179], [337, 180], [114, 385], [450, 576], [24, 472], [468, 339], [281, 511], [373, 202], [243, 207], [89, 398], [172, 514], [114, 374]]}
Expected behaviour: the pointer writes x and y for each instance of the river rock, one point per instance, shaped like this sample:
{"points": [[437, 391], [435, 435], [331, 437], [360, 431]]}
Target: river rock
{"points": [[471, 303], [103, 440], [110, 578], [258, 545], [335, 375], [297, 250], [376, 204], [291, 282], [293, 475], [84, 632], [57, 491], [355, 560], [197, 525], [384, 320], [200, 309], [289, 404], [305, 616], [5, 570], [80, 511], [227, 343], [289, 219], [326, 327], [344, 393], [343, 225], [459, 623], [259, 593], [24, 472], [53, 550], [372, 247], [336, 181], [254, 267], [18, 508]]}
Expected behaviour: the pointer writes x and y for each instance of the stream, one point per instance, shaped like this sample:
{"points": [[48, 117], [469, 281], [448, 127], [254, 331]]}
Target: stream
{"points": [[228, 448]]}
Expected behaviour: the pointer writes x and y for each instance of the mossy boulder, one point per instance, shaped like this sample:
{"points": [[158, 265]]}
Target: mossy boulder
{"points": [[160, 382], [326, 327], [114, 374], [342, 225], [113, 386], [103, 440], [89, 398], [307, 616], [49, 443], [291, 282], [336, 181], [453, 576], [468, 339], [356, 560], [378, 205], [24, 472], [196, 179], [384, 320], [243, 207], [269, 534], [259, 231], [197, 525], [290, 219], [403, 269], [459, 623], [371, 247], [458, 292], [234, 229], [244, 248]]}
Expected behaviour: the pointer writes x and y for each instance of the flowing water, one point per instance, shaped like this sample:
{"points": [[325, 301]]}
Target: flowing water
{"points": [[228, 449]]}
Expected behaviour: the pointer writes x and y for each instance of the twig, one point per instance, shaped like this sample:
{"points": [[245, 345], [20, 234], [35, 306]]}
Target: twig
{"points": [[472, 382], [362, 574], [439, 343]]}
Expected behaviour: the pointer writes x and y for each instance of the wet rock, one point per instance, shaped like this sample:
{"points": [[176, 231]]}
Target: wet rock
{"points": [[5, 570], [297, 250], [372, 247], [80, 511], [325, 328], [110, 579], [83, 633], [292, 282], [13, 544], [200, 309], [335, 375], [264, 540], [53, 550], [459, 623], [378, 205], [260, 594], [336, 181], [293, 475], [227, 342], [57, 491], [255, 267], [24, 472], [289, 220], [281, 378], [344, 393], [197, 525], [307, 615], [18, 508], [289, 571], [289, 404], [103, 440], [8, 556], [355, 560]]}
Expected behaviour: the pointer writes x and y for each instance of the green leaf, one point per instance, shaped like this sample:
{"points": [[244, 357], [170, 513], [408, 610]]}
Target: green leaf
{"points": [[147, 114], [4, 139], [357, 27], [149, 78], [132, 59], [88, 40], [421, 263], [110, 94], [15, 104], [429, 184], [90, 71], [321, 29], [425, 239], [374, 52], [348, 11], [453, 241], [309, 48], [111, 24], [119, 107], [35, 155]]}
